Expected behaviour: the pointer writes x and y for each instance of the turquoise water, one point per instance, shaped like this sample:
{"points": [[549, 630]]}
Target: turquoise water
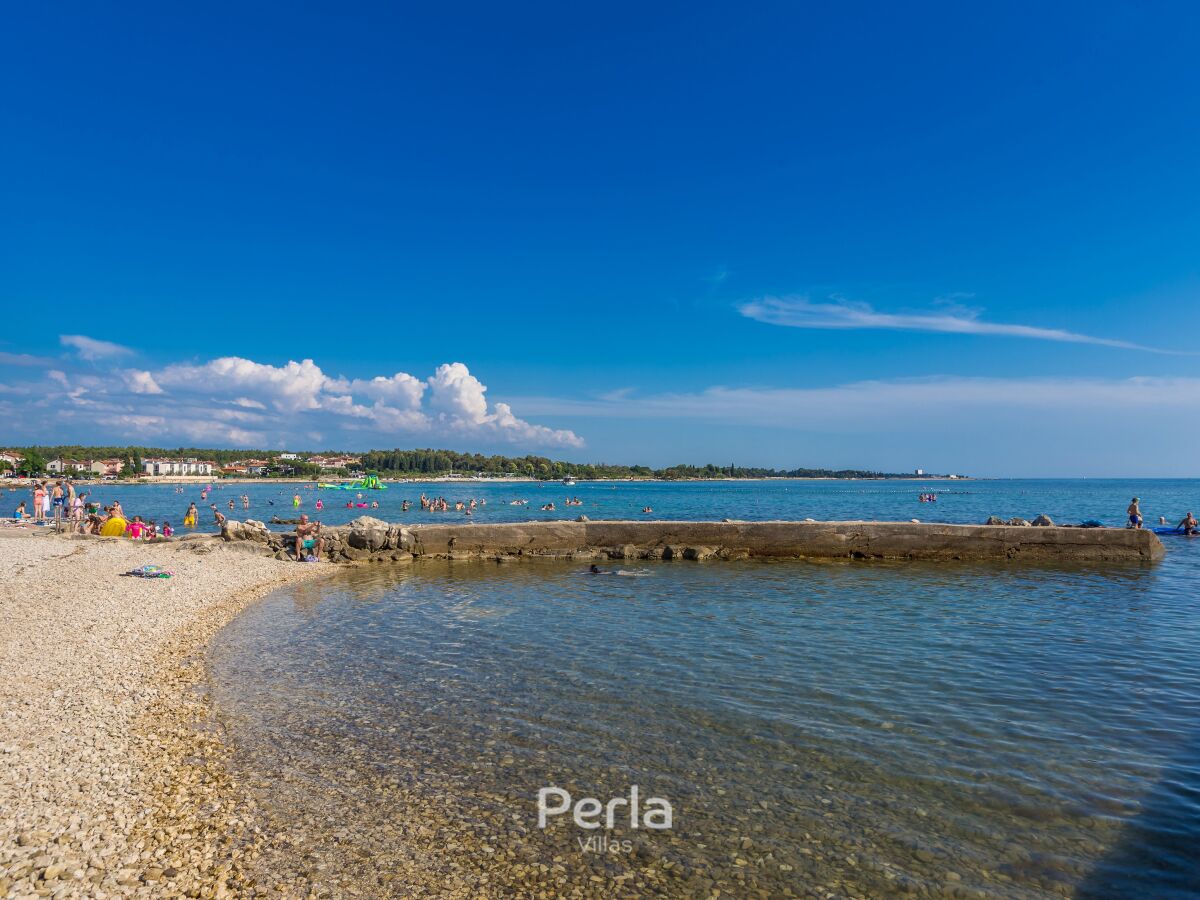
{"points": [[854, 729], [962, 501]]}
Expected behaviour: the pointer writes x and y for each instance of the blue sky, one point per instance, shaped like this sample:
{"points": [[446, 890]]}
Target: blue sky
{"points": [[789, 234]]}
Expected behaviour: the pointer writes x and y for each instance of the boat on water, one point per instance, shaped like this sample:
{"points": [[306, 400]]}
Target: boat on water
{"points": [[568, 482]]}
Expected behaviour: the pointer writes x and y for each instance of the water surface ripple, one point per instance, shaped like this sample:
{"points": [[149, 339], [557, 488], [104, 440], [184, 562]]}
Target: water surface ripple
{"points": [[860, 729]]}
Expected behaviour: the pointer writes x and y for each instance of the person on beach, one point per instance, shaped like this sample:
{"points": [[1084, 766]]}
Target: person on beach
{"points": [[1135, 514], [309, 542], [189, 517], [39, 496], [1189, 525], [218, 518], [167, 530], [20, 515]]}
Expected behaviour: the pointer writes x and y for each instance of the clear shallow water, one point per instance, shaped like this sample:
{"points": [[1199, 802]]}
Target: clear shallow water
{"points": [[860, 729], [962, 501]]}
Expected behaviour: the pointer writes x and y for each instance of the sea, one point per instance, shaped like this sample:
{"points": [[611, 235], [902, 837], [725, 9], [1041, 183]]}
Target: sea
{"points": [[833, 729]]}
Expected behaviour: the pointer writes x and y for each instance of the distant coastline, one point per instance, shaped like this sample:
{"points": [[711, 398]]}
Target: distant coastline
{"points": [[471, 479]]}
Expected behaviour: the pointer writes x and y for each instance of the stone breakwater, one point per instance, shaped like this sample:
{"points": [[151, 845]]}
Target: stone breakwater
{"points": [[370, 539]]}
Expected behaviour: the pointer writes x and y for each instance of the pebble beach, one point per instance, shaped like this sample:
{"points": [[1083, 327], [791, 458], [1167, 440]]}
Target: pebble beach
{"points": [[112, 780]]}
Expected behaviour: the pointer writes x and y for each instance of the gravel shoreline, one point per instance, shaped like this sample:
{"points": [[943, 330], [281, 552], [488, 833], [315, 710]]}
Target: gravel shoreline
{"points": [[112, 775]]}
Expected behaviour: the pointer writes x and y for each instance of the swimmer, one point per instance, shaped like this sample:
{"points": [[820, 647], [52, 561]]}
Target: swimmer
{"points": [[596, 570], [647, 509], [1189, 525]]}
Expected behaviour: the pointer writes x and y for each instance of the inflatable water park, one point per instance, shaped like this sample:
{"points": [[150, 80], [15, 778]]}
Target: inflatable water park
{"points": [[367, 483]]}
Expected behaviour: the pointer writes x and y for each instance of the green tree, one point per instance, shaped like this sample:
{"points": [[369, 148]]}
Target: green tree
{"points": [[32, 462]]}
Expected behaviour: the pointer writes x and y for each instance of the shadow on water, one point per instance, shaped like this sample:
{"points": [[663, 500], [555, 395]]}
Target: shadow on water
{"points": [[1156, 854]]}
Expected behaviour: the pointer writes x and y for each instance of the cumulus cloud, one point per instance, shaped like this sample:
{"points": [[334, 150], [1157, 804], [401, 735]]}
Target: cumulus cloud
{"points": [[801, 312], [457, 394], [290, 388], [141, 382], [232, 400], [92, 349]]}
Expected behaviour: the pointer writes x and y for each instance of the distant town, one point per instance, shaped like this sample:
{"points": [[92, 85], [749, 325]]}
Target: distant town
{"points": [[153, 462]]}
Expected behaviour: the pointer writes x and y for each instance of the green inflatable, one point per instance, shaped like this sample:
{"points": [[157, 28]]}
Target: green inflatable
{"points": [[367, 483]]}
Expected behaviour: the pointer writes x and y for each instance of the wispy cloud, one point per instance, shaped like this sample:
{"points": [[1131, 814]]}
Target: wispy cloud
{"points": [[801, 312], [22, 359], [872, 406], [92, 349]]}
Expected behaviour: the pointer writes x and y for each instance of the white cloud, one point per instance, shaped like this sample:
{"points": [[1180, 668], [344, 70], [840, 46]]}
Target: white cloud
{"points": [[232, 399], [289, 388], [459, 400], [801, 312], [141, 382], [401, 389], [22, 359], [871, 406], [92, 349], [456, 393]]}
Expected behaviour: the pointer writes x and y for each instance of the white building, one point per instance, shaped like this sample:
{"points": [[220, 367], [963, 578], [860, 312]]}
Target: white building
{"points": [[191, 466], [289, 456], [68, 466]]}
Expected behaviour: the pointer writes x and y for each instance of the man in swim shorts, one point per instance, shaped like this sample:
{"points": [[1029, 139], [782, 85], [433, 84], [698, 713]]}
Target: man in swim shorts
{"points": [[1135, 514], [309, 542], [1189, 525]]}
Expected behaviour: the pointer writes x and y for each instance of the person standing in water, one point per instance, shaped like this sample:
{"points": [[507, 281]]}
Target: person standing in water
{"points": [[1135, 514]]}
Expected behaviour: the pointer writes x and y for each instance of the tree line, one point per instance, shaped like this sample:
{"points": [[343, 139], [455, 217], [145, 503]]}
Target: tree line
{"points": [[431, 462]]}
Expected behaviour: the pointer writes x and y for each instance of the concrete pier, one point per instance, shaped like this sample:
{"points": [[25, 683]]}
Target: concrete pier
{"points": [[368, 538]]}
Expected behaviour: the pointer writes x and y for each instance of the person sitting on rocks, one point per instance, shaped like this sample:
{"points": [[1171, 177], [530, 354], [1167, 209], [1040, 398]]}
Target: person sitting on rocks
{"points": [[309, 542]]}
